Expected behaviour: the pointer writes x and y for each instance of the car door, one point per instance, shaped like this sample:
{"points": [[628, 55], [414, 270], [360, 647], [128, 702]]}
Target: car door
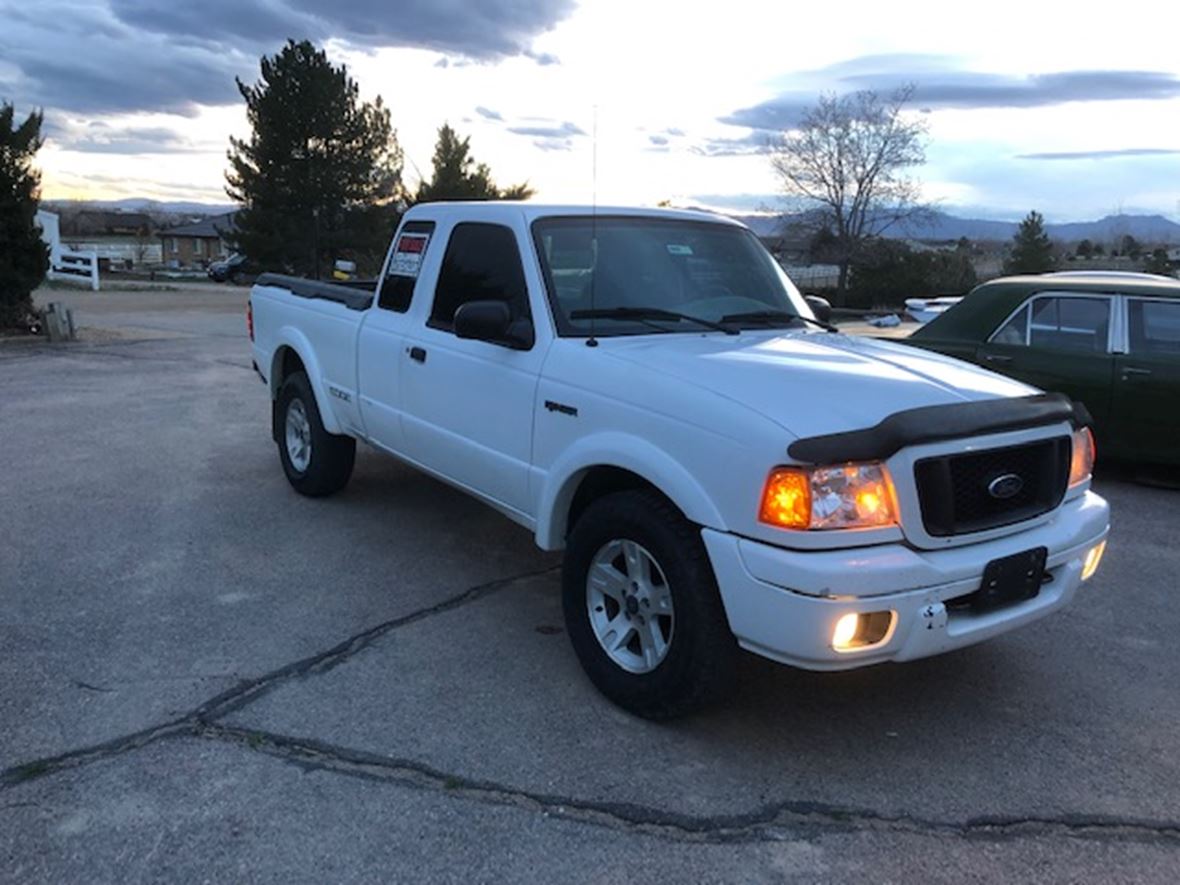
{"points": [[380, 342], [1059, 342], [469, 405], [1146, 408]]}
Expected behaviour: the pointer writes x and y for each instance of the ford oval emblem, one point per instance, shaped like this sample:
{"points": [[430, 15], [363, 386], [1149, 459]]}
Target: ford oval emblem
{"points": [[1005, 486]]}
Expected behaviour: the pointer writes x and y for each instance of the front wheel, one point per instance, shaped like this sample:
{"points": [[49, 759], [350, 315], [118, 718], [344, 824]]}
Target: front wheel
{"points": [[317, 463], [642, 608]]}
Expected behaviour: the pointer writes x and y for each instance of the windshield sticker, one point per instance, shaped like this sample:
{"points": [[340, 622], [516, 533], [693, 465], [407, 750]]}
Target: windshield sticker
{"points": [[676, 249], [407, 254]]}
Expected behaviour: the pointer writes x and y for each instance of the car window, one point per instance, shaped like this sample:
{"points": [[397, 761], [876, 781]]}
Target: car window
{"points": [[1153, 326], [397, 289], [482, 263], [1070, 323], [703, 269], [1015, 331]]}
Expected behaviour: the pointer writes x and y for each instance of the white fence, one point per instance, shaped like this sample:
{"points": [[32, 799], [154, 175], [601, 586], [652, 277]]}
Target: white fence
{"points": [[65, 264], [76, 267], [814, 276]]}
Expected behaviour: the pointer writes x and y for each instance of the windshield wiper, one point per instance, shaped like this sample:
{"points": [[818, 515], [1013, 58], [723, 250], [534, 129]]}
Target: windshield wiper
{"points": [[775, 316], [648, 313]]}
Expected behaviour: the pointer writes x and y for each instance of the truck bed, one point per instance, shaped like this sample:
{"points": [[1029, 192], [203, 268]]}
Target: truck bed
{"points": [[354, 294]]}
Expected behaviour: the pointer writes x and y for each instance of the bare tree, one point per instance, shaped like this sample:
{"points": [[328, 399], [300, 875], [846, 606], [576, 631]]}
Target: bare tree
{"points": [[846, 160]]}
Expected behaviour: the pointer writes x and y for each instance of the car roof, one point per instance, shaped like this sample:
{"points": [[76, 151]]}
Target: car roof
{"points": [[988, 304], [487, 209]]}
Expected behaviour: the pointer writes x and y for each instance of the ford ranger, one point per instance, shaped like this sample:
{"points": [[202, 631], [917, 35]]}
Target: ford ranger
{"points": [[647, 391]]}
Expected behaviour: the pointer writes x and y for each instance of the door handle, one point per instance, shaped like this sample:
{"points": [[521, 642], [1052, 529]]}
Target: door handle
{"points": [[997, 358], [418, 354], [1129, 371]]}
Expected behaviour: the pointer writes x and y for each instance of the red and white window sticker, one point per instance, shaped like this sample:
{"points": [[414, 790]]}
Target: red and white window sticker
{"points": [[407, 254]]}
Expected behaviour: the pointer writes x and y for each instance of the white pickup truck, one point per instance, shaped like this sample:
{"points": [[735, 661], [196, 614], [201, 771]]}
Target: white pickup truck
{"points": [[647, 390]]}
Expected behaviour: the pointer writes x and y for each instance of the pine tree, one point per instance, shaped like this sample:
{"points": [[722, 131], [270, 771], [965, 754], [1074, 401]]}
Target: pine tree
{"points": [[1032, 250], [24, 257], [320, 176], [456, 175]]}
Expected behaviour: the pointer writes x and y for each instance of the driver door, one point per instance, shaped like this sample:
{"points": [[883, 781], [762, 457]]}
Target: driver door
{"points": [[468, 405]]}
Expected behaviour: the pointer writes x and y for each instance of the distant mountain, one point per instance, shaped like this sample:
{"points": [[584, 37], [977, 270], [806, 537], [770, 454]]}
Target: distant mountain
{"points": [[944, 226], [141, 204]]}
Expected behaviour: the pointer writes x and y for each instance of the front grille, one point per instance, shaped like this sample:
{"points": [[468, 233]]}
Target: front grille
{"points": [[956, 491]]}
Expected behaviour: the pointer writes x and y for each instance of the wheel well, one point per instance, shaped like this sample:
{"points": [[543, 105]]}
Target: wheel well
{"points": [[599, 482], [287, 362]]}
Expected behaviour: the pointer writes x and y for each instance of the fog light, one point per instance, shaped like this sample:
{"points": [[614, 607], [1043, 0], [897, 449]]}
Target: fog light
{"points": [[1092, 559], [855, 632], [845, 631]]}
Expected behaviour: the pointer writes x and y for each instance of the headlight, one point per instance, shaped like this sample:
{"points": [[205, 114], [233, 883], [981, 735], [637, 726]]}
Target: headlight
{"points": [[850, 496], [1081, 463]]}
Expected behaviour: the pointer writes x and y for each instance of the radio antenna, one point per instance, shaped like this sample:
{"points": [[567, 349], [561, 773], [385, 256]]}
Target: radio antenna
{"points": [[592, 341]]}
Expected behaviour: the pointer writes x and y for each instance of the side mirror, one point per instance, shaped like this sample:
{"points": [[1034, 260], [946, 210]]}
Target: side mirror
{"points": [[492, 321], [821, 307]]}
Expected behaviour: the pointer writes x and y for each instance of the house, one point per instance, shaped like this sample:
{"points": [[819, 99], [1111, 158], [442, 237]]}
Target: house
{"points": [[199, 243], [117, 238]]}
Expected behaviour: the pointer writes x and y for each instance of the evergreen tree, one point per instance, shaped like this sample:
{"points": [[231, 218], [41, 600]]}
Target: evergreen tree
{"points": [[1032, 250], [24, 257], [1085, 249], [320, 176], [456, 176], [1157, 262]]}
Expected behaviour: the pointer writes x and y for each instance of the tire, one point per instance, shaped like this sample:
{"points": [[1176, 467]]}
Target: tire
{"points": [[696, 666], [322, 464]]}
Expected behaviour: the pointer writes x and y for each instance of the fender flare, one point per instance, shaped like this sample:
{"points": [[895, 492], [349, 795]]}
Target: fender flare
{"points": [[289, 336], [627, 452]]}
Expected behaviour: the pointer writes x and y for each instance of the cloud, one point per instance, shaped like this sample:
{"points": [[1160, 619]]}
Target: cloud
{"points": [[487, 30], [489, 114], [759, 141], [565, 130], [543, 58], [105, 139], [1100, 155], [553, 144], [940, 85], [659, 140], [80, 57], [164, 55]]}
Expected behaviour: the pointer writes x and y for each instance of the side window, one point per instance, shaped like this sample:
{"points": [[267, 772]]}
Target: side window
{"points": [[397, 289], [1067, 323], [482, 263], [1015, 331], [1154, 327]]}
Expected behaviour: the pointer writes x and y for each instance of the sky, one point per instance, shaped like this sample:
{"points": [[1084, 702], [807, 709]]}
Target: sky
{"points": [[1071, 109]]}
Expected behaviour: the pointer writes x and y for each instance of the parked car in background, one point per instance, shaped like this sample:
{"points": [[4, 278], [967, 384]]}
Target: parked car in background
{"points": [[1110, 340], [232, 269]]}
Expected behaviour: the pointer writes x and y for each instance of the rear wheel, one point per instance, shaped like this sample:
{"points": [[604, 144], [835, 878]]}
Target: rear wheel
{"points": [[642, 608], [317, 463]]}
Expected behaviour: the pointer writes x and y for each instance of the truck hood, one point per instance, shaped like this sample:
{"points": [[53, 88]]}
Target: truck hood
{"points": [[814, 383]]}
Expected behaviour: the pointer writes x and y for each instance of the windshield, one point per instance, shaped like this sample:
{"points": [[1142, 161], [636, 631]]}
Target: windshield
{"points": [[705, 270]]}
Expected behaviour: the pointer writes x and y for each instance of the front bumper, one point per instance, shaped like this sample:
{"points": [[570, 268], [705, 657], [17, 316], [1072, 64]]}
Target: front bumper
{"points": [[784, 604]]}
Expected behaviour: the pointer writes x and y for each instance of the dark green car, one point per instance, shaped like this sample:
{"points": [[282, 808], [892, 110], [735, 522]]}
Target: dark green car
{"points": [[1111, 340]]}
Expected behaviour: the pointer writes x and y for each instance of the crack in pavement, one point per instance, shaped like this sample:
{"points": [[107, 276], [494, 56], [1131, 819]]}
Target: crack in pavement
{"points": [[771, 822], [248, 691]]}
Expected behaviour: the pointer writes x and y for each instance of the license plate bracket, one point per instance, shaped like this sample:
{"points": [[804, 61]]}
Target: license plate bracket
{"points": [[1010, 579]]}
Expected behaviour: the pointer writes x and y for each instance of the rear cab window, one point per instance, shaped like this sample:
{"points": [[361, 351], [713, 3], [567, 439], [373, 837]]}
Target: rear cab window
{"points": [[405, 263]]}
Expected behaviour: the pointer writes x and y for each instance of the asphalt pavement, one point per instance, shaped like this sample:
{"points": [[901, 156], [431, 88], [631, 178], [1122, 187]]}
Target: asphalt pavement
{"points": [[205, 677]]}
